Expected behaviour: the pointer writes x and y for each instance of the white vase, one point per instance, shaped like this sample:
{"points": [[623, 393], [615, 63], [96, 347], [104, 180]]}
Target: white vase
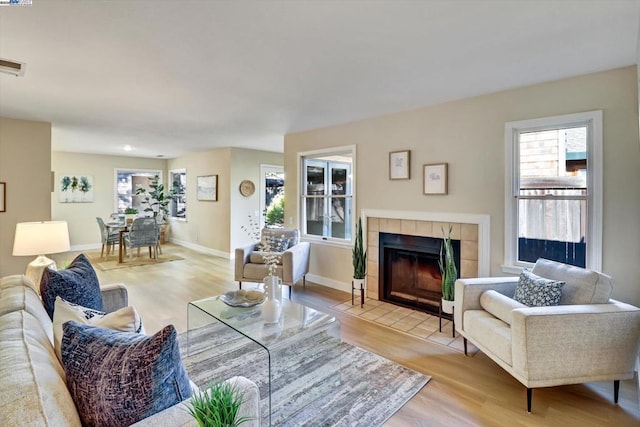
{"points": [[272, 307]]}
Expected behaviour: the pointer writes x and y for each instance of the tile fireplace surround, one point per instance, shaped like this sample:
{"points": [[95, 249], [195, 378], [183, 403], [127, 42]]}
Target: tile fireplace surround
{"points": [[472, 230]]}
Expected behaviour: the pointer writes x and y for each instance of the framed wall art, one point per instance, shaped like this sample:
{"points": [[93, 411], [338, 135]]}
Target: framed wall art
{"points": [[3, 196], [435, 178], [76, 189], [208, 188], [400, 164]]}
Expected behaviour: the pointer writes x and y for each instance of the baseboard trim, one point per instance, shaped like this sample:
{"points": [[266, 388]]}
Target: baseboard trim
{"points": [[82, 248], [329, 283], [202, 249]]}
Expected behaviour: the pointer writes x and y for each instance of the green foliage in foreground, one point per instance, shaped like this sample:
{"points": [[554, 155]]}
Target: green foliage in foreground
{"points": [[218, 406]]}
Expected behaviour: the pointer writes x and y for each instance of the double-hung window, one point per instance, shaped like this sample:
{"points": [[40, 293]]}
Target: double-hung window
{"points": [[554, 190], [327, 194]]}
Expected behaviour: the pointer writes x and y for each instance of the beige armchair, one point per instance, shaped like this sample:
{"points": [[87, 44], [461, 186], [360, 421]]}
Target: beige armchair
{"points": [[293, 264], [587, 337]]}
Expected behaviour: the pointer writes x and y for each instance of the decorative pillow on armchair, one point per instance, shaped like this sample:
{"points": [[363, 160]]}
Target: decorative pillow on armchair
{"points": [[119, 378], [77, 284], [536, 291]]}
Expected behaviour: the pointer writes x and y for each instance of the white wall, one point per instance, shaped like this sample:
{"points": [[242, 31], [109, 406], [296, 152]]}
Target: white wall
{"points": [[469, 135], [81, 217], [25, 167]]}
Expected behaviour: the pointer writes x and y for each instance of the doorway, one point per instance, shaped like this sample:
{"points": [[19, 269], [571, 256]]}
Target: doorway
{"points": [[271, 195]]}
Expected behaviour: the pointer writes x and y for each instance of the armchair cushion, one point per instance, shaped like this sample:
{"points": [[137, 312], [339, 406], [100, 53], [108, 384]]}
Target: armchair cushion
{"points": [[258, 257], [582, 286], [536, 291], [499, 305], [274, 244]]}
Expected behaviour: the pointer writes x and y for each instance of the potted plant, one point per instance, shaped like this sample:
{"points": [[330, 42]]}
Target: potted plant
{"points": [[449, 273], [130, 214], [156, 199], [359, 256], [217, 406]]}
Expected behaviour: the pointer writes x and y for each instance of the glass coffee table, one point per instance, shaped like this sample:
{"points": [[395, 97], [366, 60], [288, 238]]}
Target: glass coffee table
{"points": [[281, 342]]}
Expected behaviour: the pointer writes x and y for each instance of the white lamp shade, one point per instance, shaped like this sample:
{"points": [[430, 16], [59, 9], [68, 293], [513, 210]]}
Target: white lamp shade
{"points": [[40, 238]]}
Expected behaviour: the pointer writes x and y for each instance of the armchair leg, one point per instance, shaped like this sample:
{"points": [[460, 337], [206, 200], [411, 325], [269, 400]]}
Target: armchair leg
{"points": [[240, 284], [616, 390], [290, 286], [304, 281], [464, 341], [529, 398]]}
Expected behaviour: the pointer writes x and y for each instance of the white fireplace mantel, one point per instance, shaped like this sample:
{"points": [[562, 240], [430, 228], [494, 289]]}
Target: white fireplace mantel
{"points": [[482, 221]]}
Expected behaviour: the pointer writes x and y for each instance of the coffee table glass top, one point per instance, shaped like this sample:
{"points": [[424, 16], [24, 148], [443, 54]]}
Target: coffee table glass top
{"points": [[294, 320]]}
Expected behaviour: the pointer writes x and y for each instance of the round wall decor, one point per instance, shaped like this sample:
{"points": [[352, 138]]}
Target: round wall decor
{"points": [[247, 188]]}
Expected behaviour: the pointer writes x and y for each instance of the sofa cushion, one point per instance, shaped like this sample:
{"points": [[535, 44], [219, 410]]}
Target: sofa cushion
{"points": [[536, 291], [499, 305], [582, 286], [125, 319], [119, 378], [33, 390], [18, 293], [490, 332], [77, 283]]}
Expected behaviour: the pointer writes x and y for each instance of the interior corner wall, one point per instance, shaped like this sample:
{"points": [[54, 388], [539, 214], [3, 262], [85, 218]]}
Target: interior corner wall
{"points": [[81, 217], [215, 226], [469, 135], [25, 167]]}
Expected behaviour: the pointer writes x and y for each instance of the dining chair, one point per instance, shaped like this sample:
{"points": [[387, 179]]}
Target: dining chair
{"points": [[109, 238], [143, 233]]}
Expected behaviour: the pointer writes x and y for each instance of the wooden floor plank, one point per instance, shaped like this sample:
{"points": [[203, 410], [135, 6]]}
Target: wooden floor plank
{"points": [[464, 391]]}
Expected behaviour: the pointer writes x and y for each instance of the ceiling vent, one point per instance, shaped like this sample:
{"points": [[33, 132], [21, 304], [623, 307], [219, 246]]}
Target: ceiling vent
{"points": [[12, 67]]}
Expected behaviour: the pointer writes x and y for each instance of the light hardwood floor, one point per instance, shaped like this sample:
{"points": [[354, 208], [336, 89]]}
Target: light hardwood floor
{"points": [[463, 391]]}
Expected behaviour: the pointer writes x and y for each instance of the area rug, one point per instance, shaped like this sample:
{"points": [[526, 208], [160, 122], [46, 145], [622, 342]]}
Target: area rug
{"points": [[407, 321], [111, 262], [317, 380]]}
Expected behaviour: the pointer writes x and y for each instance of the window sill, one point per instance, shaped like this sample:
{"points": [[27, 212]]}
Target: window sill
{"points": [[345, 244]]}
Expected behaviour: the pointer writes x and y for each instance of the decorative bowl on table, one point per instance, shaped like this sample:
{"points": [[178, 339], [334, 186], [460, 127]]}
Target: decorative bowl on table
{"points": [[243, 298]]}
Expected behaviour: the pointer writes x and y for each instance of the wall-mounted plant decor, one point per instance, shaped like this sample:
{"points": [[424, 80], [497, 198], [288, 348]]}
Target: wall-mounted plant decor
{"points": [[76, 189]]}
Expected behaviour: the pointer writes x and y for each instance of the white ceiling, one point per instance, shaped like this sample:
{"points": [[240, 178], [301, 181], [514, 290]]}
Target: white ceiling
{"points": [[167, 77]]}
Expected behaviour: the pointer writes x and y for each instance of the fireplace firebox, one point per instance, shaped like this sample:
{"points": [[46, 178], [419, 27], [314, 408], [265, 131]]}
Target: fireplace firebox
{"points": [[409, 271]]}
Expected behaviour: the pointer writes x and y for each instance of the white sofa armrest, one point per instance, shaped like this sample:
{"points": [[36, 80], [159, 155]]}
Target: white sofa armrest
{"points": [[114, 296], [468, 292], [178, 415], [571, 344]]}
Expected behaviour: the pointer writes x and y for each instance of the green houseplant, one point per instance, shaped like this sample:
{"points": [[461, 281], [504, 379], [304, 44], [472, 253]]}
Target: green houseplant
{"points": [[448, 271], [359, 255], [156, 199], [218, 406]]}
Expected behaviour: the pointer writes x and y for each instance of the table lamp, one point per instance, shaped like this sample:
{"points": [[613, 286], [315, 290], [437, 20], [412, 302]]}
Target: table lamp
{"points": [[39, 238]]}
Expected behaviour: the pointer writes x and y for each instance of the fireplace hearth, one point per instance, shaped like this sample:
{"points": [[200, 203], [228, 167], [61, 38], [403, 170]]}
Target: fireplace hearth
{"points": [[409, 272]]}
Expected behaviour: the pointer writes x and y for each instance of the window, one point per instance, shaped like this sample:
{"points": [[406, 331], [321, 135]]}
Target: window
{"points": [[127, 182], [327, 194], [178, 186], [554, 190]]}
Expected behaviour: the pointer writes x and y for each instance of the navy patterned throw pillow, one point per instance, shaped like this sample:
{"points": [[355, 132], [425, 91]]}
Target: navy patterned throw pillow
{"points": [[77, 284], [536, 291], [119, 378]]}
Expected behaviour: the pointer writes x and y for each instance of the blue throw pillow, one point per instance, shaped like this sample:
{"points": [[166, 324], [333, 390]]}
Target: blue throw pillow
{"points": [[536, 291], [77, 284], [119, 378]]}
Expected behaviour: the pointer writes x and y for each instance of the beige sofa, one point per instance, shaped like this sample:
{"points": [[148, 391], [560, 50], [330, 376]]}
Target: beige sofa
{"points": [[32, 381], [587, 337], [293, 264]]}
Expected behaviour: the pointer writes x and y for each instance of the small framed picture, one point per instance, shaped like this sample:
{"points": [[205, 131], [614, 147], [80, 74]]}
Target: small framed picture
{"points": [[207, 188], [3, 196], [435, 178], [400, 164]]}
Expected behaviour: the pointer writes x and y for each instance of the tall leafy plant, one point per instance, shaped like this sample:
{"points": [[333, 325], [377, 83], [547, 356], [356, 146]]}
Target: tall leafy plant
{"points": [[156, 199], [447, 267], [359, 254]]}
